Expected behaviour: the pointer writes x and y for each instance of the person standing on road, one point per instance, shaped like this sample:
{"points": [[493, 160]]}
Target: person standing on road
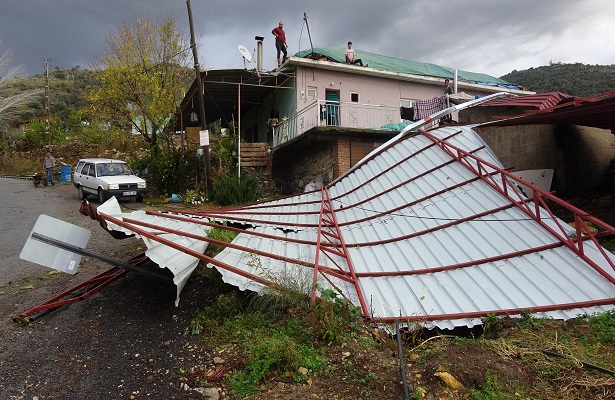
{"points": [[49, 164], [280, 41]]}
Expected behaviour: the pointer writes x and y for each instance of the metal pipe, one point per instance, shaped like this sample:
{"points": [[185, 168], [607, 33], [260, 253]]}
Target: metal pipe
{"points": [[83, 252], [402, 367]]}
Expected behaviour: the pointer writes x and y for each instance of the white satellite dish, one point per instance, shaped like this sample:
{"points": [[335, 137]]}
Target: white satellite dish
{"points": [[245, 53]]}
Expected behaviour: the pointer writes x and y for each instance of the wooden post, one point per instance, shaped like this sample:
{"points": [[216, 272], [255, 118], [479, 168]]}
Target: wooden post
{"points": [[201, 94]]}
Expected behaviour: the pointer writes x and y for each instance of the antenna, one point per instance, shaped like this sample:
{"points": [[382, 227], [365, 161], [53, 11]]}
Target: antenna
{"points": [[247, 56], [308, 29]]}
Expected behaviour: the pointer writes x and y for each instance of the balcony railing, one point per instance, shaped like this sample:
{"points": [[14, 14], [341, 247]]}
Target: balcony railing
{"points": [[348, 115]]}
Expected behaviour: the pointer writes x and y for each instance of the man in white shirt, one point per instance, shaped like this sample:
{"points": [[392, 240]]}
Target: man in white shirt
{"points": [[350, 56]]}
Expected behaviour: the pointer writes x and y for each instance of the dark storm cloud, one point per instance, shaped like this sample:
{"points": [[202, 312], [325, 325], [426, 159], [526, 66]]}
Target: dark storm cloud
{"points": [[492, 37]]}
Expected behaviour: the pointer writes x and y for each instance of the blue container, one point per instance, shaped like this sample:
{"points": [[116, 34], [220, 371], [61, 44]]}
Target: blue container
{"points": [[65, 173]]}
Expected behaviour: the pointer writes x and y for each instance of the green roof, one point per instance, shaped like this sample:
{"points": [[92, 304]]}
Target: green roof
{"points": [[393, 64]]}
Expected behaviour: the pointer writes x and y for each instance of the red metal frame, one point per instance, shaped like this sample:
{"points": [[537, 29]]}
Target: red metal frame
{"points": [[74, 294], [507, 187], [81, 291], [331, 243]]}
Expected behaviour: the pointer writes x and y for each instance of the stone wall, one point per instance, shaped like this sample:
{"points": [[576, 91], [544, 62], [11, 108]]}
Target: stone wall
{"points": [[323, 159], [306, 164], [579, 156]]}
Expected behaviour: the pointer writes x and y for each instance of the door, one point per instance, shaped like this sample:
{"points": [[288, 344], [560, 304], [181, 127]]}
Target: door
{"points": [[332, 98]]}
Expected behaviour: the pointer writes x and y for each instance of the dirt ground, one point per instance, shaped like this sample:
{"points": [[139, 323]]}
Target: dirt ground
{"points": [[128, 342]]}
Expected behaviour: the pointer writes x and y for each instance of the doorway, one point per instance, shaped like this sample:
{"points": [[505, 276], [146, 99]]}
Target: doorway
{"points": [[332, 101]]}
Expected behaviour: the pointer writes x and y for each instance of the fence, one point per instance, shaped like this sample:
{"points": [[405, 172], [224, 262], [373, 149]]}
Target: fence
{"points": [[325, 113]]}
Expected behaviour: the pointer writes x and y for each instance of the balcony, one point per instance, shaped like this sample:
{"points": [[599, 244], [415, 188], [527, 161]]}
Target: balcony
{"points": [[347, 115]]}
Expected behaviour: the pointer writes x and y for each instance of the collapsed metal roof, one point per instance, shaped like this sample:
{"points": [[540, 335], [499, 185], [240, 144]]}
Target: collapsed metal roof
{"points": [[428, 228], [540, 101], [595, 111]]}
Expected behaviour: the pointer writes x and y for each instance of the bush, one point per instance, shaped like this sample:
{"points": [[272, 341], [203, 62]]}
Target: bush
{"points": [[229, 190], [173, 171], [603, 326]]}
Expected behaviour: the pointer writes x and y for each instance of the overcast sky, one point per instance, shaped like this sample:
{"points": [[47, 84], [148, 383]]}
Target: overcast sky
{"points": [[493, 37]]}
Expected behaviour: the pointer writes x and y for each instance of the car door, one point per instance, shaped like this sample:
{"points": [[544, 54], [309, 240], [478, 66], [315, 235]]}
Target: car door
{"points": [[88, 178]]}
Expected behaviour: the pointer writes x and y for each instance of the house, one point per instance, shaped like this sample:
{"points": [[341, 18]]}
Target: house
{"points": [[329, 114]]}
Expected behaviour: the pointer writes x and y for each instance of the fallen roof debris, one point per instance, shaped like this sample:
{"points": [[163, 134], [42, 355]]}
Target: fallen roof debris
{"points": [[428, 229]]}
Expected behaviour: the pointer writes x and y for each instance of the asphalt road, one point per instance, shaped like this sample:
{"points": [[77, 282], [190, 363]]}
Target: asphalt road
{"points": [[126, 341], [22, 203]]}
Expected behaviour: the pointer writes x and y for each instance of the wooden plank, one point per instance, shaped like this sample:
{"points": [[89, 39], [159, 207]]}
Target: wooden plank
{"points": [[254, 154]]}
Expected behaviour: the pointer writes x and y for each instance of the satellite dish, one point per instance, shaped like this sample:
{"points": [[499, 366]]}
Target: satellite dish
{"points": [[245, 53]]}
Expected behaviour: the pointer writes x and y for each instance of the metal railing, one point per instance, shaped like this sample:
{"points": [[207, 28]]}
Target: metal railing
{"points": [[326, 113]]}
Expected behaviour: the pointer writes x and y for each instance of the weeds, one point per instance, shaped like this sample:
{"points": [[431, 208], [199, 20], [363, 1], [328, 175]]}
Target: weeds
{"points": [[603, 326], [528, 321], [16, 165], [335, 315], [491, 390], [492, 324], [220, 234]]}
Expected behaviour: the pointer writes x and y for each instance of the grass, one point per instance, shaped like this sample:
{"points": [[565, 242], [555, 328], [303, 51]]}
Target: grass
{"points": [[270, 342], [11, 164], [491, 390]]}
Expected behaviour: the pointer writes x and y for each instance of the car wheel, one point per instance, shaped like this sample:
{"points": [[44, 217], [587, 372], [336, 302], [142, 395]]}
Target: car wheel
{"points": [[82, 194], [101, 196], [139, 199]]}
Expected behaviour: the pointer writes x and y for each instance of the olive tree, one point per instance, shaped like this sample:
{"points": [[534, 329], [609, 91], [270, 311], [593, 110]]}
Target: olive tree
{"points": [[142, 77]]}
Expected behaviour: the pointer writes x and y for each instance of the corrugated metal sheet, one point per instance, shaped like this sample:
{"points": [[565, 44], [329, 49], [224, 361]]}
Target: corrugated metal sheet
{"points": [[539, 101], [432, 230], [178, 262], [596, 111], [449, 246]]}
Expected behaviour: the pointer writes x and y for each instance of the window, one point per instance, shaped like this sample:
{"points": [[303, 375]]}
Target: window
{"points": [[406, 108], [354, 97], [312, 92], [406, 103]]}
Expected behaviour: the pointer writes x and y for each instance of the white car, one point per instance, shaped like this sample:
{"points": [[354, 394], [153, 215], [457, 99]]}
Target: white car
{"points": [[105, 177]]}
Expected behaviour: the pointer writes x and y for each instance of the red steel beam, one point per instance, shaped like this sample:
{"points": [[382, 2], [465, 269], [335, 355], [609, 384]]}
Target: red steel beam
{"points": [[328, 222], [77, 293], [498, 312], [479, 167]]}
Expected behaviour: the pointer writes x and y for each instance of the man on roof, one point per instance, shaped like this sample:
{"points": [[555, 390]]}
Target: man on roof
{"points": [[280, 41], [350, 58]]}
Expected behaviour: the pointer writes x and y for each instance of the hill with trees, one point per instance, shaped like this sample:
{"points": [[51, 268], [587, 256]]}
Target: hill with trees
{"points": [[69, 88], [574, 79]]}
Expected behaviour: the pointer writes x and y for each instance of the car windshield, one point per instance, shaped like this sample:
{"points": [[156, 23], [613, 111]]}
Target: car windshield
{"points": [[112, 169]]}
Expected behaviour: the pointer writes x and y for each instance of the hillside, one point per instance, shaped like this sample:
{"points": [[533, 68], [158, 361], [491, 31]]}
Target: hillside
{"points": [[67, 86], [574, 79]]}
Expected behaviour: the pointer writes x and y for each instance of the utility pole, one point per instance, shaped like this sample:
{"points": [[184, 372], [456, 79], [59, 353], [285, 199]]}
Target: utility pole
{"points": [[201, 97], [47, 132]]}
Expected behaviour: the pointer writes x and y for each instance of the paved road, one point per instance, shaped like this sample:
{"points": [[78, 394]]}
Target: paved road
{"points": [[22, 203], [124, 342]]}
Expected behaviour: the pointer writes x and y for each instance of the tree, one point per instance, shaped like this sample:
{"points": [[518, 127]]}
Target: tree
{"points": [[143, 77], [10, 105]]}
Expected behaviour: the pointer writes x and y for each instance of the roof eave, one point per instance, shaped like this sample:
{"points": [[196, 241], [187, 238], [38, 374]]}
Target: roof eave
{"points": [[400, 76]]}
